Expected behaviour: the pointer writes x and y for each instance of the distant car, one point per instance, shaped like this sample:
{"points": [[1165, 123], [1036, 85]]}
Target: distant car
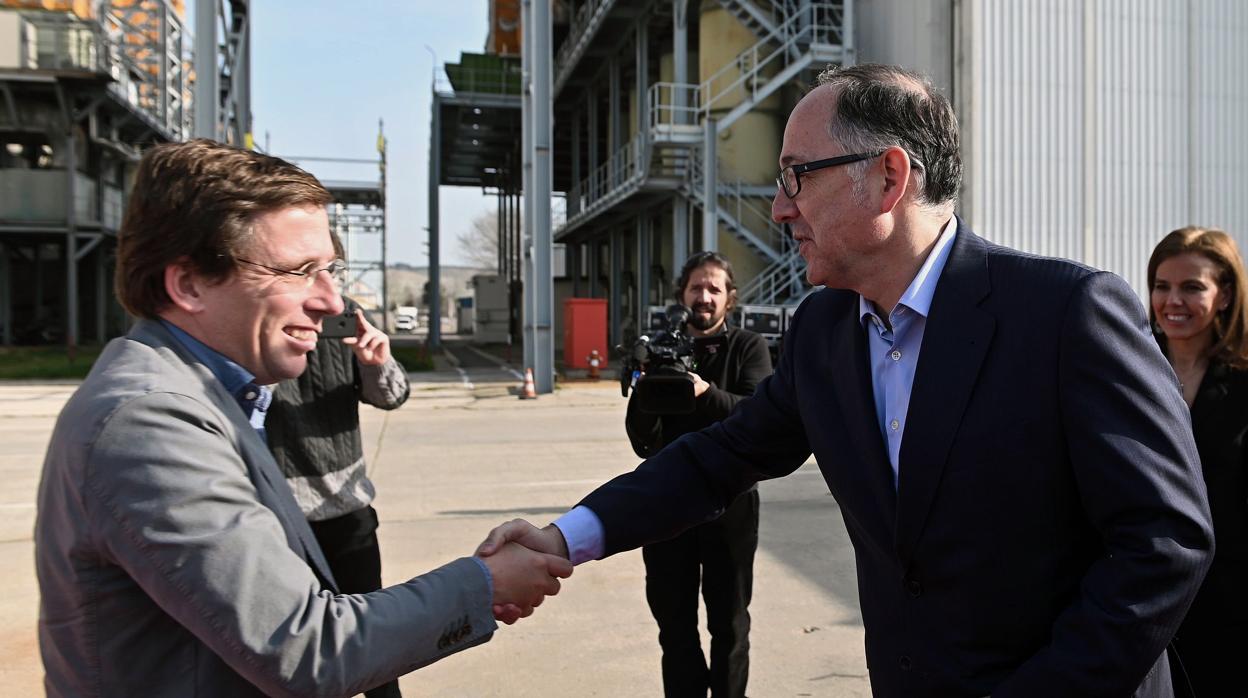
{"points": [[404, 323]]}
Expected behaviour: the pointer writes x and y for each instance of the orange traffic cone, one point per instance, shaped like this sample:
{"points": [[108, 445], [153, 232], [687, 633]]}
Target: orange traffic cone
{"points": [[594, 362], [528, 392]]}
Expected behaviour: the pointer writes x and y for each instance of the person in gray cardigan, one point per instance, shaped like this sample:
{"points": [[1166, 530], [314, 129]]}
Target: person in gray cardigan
{"points": [[313, 427]]}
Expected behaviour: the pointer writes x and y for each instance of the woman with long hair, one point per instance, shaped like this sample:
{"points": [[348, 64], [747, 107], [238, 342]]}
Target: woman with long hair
{"points": [[1199, 310]]}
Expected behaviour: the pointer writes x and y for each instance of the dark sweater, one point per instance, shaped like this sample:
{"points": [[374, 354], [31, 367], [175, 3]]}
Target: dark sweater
{"points": [[313, 426]]}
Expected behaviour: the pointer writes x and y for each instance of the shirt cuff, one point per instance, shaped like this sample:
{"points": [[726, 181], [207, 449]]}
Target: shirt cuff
{"points": [[489, 578], [582, 531]]}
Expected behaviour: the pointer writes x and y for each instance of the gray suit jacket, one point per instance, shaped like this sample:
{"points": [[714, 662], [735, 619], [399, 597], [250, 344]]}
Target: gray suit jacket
{"points": [[172, 560]]}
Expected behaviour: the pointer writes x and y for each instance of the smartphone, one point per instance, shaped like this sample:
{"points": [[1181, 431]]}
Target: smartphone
{"points": [[345, 325]]}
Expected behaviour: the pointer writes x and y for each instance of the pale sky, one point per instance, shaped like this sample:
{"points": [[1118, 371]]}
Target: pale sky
{"points": [[324, 71]]}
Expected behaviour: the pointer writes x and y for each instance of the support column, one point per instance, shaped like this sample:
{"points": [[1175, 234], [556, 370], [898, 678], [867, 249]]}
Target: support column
{"points": [[643, 271], [543, 184], [595, 268], [574, 253], [240, 89], [680, 57], [6, 297], [524, 258], [434, 340], [617, 292], [101, 294], [500, 229], [680, 232], [642, 46], [614, 142], [71, 241], [592, 123], [574, 196], [710, 189], [207, 80]]}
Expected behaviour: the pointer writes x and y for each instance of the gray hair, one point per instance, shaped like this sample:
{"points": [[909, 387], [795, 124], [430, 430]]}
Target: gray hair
{"points": [[881, 106]]}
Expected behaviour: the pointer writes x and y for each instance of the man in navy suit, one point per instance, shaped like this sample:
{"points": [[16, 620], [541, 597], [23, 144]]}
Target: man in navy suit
{"points": [[1008, 447]]}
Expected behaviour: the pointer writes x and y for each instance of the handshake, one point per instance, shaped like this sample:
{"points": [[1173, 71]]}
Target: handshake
{"points": [[526, 564]]}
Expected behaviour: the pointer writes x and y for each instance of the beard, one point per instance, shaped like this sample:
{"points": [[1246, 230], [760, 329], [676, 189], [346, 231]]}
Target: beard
{"points": [[703, 317]]}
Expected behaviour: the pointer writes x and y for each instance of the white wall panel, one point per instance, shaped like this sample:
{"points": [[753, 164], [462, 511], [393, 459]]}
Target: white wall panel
{"points": [[1094, 128], [1091, 128]]}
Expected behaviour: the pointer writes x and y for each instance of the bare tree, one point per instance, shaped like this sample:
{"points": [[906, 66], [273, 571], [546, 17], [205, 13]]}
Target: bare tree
{"points": [[479, 244]]}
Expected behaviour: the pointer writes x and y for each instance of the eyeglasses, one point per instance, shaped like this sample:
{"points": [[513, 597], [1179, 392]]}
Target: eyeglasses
{"points": [[337, 272], [790, 180]]}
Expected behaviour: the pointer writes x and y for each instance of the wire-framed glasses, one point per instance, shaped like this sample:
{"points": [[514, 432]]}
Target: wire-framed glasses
{"points": [[306, 276]]}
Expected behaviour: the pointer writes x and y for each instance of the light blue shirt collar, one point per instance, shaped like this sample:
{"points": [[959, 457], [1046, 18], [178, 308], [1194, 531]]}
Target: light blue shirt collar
{"points": [[238, 381], [918, 295]]}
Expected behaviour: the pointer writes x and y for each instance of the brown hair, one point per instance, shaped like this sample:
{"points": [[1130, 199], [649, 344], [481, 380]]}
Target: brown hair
{"points": [[196, 201], [1230, 341]]}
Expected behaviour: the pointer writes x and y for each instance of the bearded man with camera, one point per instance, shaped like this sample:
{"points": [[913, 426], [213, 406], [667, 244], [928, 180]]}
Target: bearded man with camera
{"points": [[728, 363]]}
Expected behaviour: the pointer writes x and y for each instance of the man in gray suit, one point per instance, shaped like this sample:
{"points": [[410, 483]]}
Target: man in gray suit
{"points": [[172, 558]]}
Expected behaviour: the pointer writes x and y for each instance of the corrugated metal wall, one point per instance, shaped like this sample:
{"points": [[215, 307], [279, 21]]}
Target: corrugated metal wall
{"points": [[1094, 127]]}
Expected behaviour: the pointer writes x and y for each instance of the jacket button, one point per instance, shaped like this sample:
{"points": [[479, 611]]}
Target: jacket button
{"points": [[913, 587], [905, 663]]}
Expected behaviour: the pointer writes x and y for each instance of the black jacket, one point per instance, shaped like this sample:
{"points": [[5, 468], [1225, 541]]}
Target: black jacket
{"points": [[733, 374], [1216, 622]]}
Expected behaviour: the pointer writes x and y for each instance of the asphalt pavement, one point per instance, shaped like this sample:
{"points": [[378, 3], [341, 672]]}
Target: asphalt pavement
{"points": [[463, 455]]}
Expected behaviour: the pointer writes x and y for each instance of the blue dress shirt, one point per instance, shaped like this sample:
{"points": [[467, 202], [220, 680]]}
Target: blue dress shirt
{"points": [[238, 381], [895, 345]]}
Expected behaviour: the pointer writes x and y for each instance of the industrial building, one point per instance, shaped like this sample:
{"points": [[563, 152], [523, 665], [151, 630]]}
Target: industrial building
{"points": [[1090, 129], [85, 85]]}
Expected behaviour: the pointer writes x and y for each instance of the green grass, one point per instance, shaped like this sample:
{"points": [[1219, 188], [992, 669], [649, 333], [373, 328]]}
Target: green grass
{"points": [[413, 358], [39, 363]]}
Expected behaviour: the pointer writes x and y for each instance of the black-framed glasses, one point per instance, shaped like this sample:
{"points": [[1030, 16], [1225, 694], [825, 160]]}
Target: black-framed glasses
{"points": [[337, 270], [790, 179]]}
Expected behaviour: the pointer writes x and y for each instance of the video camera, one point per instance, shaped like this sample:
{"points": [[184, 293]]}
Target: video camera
{"points": [[663, 360]]}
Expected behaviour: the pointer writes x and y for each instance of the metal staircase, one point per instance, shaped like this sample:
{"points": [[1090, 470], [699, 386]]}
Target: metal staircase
{"points": [[733, 207], [813, 33], [795, 36], [761, 22], [783, 282]]}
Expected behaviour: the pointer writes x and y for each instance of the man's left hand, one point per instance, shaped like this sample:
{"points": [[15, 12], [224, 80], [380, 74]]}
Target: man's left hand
{"points": [[371, 345], [699, 386]]}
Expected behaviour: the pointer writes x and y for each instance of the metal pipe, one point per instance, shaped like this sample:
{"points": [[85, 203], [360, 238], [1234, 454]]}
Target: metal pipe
{"points": [[526, 150], [71, 241], [710, 188], [643, 270], [435, 276], [680, 59], [616, 290], [207, 87], [680, 231], [6, 296], [543, 184]]}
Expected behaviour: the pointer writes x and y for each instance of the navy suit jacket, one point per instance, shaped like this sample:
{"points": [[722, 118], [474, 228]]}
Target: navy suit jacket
{"points": [[1050, 526]]}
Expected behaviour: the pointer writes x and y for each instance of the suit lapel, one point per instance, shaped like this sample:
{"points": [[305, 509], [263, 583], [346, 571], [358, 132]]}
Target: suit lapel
{"points": [[955, 342], [851, 384], [271, 488], [277, 496]]}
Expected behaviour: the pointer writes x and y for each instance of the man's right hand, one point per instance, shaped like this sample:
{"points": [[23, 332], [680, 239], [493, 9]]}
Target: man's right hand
{"points": [[547, 540], [523, 578]]}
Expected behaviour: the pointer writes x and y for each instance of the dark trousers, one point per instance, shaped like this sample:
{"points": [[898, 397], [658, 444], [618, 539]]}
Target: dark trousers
{"points": [[721, 554], [350, 546]]}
